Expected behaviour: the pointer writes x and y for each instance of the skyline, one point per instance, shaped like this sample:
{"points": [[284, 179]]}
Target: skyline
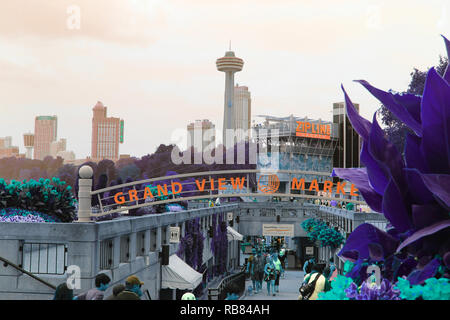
{"points": [[149, 62]]}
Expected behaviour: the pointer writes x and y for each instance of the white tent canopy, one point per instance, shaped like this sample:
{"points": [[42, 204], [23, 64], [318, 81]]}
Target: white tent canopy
{"points": [[179, 275], [233, 234]]}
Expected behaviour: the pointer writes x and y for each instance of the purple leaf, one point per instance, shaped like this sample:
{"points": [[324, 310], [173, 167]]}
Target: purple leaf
{"points": [[419, 193], [435, 115], [394, 208], [366, 234], [378, 175], [391, 103], [447, 259], [351, 255], [358, 176], [439, 184], [361, 125], [424, 232], [419, 276], [406, 267], [376, 252], [447, 71], [413, 156], [385, 152], [426, 215]]}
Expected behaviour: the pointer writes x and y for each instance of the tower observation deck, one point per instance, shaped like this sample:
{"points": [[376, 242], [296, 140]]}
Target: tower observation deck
{"points": [[229, 64]]}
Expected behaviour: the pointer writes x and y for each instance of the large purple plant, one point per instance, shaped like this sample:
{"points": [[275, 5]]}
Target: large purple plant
{"points": [[191, 245], [219, 244], [411, 191]]}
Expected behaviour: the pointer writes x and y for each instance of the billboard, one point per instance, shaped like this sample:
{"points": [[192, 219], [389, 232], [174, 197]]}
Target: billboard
{"points": [[278, 230]]}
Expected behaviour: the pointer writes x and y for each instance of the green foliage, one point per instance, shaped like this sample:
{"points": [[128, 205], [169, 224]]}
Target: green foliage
{"points": [[318, 230], [52, 197], [433, 289], [338, 287]]}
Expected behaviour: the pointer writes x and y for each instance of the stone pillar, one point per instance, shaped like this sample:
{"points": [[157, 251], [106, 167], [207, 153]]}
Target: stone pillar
{"points": [[158, 239], [84, 194]]}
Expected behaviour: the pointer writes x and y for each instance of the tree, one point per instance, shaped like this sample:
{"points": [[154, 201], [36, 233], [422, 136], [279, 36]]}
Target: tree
{"points": [[395, 129]]}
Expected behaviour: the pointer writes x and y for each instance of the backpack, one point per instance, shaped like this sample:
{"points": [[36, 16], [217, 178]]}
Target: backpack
{"points": [[307, 289]]}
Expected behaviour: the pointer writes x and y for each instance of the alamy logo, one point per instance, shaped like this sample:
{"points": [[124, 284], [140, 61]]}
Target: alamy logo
{"points": [[74, 279]]}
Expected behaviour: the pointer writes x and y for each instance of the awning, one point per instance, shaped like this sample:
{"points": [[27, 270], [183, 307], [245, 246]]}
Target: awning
{"points": [[179, 275], [233, 234]]}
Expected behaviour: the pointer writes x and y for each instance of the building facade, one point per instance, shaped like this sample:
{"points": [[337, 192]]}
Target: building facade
{"points": [[57, 146], [348, 149], [7, 149], [201, 134], [107, 133], [45, 132], [242, 112]]}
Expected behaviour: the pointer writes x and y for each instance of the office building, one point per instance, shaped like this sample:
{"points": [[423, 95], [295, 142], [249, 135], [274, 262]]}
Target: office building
{"points": [[242, 112], [107, 133], [201, 134], [45, 132], [347, 152], [7, 149]]}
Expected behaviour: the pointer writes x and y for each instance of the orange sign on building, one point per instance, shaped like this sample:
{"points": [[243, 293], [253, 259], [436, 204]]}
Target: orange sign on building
{"points": [[313, 130]]}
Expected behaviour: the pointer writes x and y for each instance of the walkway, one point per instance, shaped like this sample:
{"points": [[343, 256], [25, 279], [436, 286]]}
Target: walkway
{"points": [[288, 288]]}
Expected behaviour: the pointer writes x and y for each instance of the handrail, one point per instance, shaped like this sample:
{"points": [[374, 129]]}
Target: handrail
{"points": [[6, 262], [224, 282]]}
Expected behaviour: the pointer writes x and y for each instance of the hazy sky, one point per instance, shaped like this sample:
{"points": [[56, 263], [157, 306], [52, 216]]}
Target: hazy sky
{"points": [[152, 63]]}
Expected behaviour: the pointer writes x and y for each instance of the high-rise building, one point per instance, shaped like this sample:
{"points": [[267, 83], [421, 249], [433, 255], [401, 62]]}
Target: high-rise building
{"points": [[242, 112], [201, 133], [57, 146], [107, 133], [230, 64], [7, 149], [346, 154], [45, 131]]}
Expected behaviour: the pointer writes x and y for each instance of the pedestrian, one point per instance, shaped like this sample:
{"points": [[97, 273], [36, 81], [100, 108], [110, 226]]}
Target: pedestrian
{"points": [[282, 257], [101, 284], [269, 275], [132, 289], [250, 270], [317, 280], [259, 265], [118, 288], [278, 270], [188, 296], [63, 292]]}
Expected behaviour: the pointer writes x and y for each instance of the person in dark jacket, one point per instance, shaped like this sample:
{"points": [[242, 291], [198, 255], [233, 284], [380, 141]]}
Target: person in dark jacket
{"points": [[63, 292], [132, 289], [118, 288], [101, 284]]}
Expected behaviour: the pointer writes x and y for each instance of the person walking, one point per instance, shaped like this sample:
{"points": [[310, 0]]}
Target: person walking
{"points": [[315, 278], [259, 264], [250, 270], [282, 257], [132, 289], [278, 269], [118, 288], [101, 284], [269, 275], [63, 292]]}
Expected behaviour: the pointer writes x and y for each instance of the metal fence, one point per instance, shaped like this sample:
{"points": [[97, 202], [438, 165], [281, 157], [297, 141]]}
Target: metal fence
{"points": [[106, 254], [229, 284], [44, 258]]}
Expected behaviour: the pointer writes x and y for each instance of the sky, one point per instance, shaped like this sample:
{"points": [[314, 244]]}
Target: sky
{"points": [[152, 63]]}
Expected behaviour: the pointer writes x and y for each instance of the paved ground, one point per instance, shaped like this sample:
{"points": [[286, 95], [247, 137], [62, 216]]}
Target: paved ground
{"points": [[288, 288]]}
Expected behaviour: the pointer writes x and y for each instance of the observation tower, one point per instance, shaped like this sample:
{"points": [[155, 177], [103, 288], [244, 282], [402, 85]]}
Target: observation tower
{"points": [[229, 64]]}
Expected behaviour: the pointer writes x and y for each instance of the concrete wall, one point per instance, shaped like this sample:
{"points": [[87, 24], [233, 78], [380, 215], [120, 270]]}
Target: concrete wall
{"points": [[83, 249]]}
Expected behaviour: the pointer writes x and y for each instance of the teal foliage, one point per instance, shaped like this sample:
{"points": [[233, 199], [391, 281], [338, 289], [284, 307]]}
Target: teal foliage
{"points": [[53, 198], [433, 289], [318, 230], [337, 291]]}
